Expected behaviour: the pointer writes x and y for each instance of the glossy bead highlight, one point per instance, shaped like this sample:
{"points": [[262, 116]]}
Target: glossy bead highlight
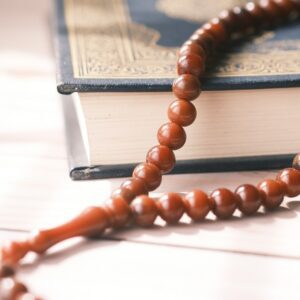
{"points": [[149, 173], [119, 211], [290, 177], [190, 64], [170, 207], [249, 199], [273, 12], [216, 29], [223, 203], [162, 157], [192, 47], [196, 205], [296, 162], [182, 112], [144, 211], [171, 135], [272, 192], [244, 18], [186, 87], [229, 20], [257, 13], [205, 40], [135, 186]]}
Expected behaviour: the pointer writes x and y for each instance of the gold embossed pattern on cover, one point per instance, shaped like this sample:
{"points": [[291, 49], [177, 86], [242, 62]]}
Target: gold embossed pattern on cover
{"points": [[106, 43]]}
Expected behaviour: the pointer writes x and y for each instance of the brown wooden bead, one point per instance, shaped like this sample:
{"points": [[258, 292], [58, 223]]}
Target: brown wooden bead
{"points": [[124, 193], [196, 205], [273, 193], [191, 47], [119, 211], [6, 271], [10, 289], [287, 7], [170, 207], [291, 179], [223, 203], [190, 64], [229, 20], [163, 157], [171, 135], [257, 13], [296, 162], [296, 4], [273, 12], [144, 211], [149, 173], [244, 18], [205, 40], [216, 29], [249, 199], [186, 87], [136, 186], [182, 112]]}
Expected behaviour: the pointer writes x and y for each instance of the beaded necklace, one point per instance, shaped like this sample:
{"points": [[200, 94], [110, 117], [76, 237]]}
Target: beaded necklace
{"points": [[131, 202]]}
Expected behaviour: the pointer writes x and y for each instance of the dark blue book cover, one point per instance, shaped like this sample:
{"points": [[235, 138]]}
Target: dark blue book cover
{"points": [[119, 45]]}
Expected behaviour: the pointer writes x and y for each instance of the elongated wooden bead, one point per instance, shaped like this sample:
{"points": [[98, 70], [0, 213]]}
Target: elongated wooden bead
{"points": [[91, 222]]}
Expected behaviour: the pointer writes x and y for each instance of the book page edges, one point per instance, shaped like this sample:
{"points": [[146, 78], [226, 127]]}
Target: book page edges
{"points": [[121, 127]]}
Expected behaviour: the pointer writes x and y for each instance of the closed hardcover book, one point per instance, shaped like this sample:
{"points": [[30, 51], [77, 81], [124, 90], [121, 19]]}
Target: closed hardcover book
{"points": [[116, 63]]}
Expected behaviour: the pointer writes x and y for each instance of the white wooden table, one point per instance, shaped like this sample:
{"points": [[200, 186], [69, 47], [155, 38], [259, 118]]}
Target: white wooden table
{"points": [[244, 258]]}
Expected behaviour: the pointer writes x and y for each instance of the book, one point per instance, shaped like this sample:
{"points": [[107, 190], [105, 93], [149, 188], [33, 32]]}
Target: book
{"points": [[117, 60]]}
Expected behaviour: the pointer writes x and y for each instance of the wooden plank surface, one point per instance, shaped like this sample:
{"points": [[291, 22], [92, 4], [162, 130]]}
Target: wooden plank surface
{"points": [[244, 258]]}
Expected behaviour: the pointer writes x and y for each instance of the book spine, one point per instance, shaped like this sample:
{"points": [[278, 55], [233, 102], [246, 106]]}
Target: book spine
{"points": [[230, 164]]}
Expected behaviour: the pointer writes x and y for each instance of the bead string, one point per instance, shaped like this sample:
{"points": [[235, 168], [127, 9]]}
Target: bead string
{"points": [[131, 202]]}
